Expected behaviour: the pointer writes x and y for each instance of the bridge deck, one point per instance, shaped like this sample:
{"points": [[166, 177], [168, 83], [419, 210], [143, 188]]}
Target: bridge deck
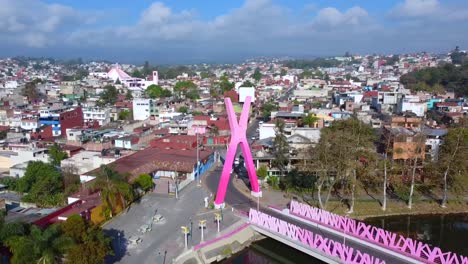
{"points": [[362, 246]]}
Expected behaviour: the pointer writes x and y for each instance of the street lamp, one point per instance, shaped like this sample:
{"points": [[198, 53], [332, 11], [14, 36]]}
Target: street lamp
{"points": [[202, 225], [217, 218], [185, 231], [191, 225]]}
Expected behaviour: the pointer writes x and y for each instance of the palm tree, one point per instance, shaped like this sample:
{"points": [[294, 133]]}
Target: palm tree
{"points": [[214, 132], [114, 187], [40, 246]]}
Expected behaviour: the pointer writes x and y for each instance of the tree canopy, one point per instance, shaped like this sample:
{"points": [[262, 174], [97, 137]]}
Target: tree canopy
{"points": [[257, 75], [56, 155], [144, 181], [187, 89], [225, 84], [438, 79], [30, 91], [109, 95], [156, 91], [42, 183], [75, 241], [247, 83], [267, 108]]}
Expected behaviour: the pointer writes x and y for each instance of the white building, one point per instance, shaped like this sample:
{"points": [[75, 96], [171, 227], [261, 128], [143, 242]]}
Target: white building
{"points": [[30, 154], [266, 130], [412, 104], [141, 109], [246, 91], [29, 124], [101, 115], [86, 161]]}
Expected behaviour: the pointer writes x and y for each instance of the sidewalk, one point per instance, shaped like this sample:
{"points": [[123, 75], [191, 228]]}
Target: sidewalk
{"points": [[269, 196]]}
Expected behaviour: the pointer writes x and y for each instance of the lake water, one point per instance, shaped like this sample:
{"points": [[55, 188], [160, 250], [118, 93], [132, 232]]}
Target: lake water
{"points": [[449, 232]]}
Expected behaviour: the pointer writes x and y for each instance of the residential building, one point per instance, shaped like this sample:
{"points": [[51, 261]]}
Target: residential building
{"points": [[96, 114], [144, 109], [86, 161], [61, 119]]}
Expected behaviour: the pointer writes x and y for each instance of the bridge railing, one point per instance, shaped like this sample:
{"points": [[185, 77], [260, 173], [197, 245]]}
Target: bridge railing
{"points": [[315, 242], [398, 243]]}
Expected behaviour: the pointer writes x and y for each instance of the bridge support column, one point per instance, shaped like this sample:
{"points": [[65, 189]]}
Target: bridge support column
{"points": [[238, 136]]}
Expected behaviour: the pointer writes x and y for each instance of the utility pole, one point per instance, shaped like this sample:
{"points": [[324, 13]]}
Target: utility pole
{"points": [[202, 225]]}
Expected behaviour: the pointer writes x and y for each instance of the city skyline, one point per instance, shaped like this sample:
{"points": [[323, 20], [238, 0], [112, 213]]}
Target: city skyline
{"points": [[207, 31]]}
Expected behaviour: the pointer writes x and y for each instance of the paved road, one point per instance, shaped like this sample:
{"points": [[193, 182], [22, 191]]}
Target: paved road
{"points": [[233, 197], [164, 237]]}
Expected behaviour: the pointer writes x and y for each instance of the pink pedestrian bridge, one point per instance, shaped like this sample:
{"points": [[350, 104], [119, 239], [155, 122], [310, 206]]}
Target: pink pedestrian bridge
{"points": [[338, 239], [319, 233]]}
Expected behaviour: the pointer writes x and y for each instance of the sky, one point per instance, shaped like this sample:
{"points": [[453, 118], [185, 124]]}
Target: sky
{"points": [[189, 31]]}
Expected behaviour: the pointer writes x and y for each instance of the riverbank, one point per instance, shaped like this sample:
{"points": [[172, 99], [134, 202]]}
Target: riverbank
{"points": [[229, 242], [363, 209], [370, 209]]}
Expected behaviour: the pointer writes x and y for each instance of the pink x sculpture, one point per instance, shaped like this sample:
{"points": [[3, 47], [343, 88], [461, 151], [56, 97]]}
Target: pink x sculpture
{"points": [[238, 136]]}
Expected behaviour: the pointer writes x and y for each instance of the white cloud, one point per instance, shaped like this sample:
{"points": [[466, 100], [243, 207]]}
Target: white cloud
{"points": [[257, 27], [35, 23], [332, 17], [416, 8], [156, 14]]}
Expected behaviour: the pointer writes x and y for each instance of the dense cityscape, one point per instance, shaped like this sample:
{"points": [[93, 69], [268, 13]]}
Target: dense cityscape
{"points": [[111, 162]]}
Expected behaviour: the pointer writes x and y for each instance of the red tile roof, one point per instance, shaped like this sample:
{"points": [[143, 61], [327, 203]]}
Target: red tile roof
{"points": [[442, 104], [159, 159]]}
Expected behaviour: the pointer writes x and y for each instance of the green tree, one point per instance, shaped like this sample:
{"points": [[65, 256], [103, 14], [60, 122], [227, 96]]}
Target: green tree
{"points": [[262, 172], [310, 120], [280, 147], [267, 108], [40, 246], [339, 157], [452, 162], [109, 95], [56, 155], [257, 75], [144, 181], [225, 85], [129, 95], [283, 72], [125, 115], [156, 91], [206, 75], [456, 56], [115, 190], [183, 109], [89, 244], [42, 183], [242, 73], [30, 91], [186, 89], [137, 74], [247, 84], [147, 69]]}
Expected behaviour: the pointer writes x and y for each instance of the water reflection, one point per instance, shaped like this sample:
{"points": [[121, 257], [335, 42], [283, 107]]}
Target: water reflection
{"points": [[269, 251], [449, 232]]}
